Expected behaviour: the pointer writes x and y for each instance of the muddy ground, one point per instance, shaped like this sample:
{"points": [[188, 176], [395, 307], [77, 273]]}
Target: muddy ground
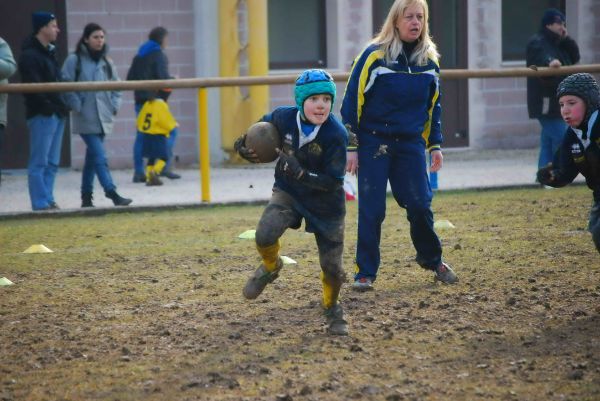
{"points": [[134, 306]]}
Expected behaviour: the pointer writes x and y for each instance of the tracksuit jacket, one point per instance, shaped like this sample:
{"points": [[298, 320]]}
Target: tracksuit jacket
{"points": [[396, 99]]}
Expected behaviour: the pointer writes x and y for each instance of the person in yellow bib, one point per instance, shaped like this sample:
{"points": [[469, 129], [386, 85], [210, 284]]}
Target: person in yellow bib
{"points": [[155, 122]]}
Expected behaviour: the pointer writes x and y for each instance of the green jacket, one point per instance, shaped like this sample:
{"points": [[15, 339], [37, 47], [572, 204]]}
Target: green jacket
{"points": [[7, 68]]}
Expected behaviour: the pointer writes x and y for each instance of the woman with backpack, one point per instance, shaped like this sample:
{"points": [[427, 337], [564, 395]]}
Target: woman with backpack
{"points": [[93, 112]]}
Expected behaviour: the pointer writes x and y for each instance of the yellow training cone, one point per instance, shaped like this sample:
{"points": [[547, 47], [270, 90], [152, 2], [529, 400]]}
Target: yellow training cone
{"points": [[443, 224], [4, 281], [249, 234], [288, 261], [38, 248]]}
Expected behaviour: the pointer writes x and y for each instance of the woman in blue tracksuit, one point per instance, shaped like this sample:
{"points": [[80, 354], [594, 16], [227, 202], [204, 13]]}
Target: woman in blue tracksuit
{"points": [[392, 108]]}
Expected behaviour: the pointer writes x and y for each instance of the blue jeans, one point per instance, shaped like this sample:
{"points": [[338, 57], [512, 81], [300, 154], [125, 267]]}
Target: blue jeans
{"points": [[138, 159], [95, 164], [45, 140], [553, 132], [404, 164]]}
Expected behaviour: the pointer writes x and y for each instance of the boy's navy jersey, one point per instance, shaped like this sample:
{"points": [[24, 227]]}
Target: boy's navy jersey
{"points": [[580, 153], [393, 99], [320, 197]]}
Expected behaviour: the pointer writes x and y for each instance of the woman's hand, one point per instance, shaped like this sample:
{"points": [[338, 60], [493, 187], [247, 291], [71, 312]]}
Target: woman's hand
{"points": [[436, 161], [352, 162]]}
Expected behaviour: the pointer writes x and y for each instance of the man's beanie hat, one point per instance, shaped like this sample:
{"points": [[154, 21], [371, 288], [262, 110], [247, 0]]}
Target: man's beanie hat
{"points": [[551, 16], [40, 19], [584, 86], [313, 82]]}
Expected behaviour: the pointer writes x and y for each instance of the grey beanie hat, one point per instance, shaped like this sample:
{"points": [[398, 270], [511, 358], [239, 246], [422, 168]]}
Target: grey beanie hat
{"points": [[584, 86]]}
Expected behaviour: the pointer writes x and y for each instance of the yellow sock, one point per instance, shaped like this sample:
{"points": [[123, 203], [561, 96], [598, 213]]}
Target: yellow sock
{"points": [[270, 255], [149, 172], [159, 165], [331, 292]]}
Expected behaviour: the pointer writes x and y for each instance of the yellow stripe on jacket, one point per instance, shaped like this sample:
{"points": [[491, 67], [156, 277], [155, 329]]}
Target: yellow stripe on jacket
{"points": [[155, 118], [427, 130], [364, 76]]}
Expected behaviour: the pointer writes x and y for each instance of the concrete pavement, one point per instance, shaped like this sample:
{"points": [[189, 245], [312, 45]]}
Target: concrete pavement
{"points": [[463, 169]]}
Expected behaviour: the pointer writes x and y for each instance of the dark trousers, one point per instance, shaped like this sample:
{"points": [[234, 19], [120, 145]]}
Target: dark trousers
{"points": [[403, 163], [279, 215]]}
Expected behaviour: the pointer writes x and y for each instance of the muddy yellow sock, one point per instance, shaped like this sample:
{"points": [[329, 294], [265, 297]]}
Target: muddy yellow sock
{"points": [[331, 292], [149, 172], [159, 165], [270, 255]]}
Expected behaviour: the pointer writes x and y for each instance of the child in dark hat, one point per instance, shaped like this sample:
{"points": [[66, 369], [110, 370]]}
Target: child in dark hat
{"points": [[579, 99]]}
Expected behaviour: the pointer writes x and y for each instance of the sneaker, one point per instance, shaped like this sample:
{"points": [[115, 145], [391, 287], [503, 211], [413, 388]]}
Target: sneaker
{"points": [[362, 284], [445, 274], [259, 280], [170, 175], [53, 206], [139, 177], [153, 180], [336, 324]]}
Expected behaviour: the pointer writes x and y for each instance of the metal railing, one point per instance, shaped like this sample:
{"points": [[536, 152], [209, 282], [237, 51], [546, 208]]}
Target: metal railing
{"points": [[202, 84]]}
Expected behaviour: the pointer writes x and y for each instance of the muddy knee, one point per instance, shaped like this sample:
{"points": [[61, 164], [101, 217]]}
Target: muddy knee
{"points": [[265, 237]]}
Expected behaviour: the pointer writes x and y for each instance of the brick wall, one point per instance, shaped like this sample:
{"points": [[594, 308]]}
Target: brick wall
{"points": [[497, 106], [127, 24]]}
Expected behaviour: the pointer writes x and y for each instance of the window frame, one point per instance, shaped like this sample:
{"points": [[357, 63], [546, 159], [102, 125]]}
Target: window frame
{"points": [[518, 58]]}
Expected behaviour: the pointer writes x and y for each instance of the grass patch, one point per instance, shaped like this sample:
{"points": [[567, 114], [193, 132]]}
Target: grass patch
{"points": [[148, 306]]}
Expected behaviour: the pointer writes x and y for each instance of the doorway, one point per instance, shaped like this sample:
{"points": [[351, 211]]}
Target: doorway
{"points": [[15, 20]]}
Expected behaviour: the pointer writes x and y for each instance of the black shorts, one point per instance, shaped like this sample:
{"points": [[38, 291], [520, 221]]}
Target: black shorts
{"points": [[154, 146]]}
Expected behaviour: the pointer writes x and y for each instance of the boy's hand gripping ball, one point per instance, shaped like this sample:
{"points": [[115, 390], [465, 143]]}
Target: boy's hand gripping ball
{"points": [[264, 140]]}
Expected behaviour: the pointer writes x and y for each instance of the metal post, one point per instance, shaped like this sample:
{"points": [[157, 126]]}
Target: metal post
{"points": [[204, 152]]}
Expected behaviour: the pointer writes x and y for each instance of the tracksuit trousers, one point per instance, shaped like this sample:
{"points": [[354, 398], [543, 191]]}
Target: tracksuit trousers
{"points": [[403, 163]]}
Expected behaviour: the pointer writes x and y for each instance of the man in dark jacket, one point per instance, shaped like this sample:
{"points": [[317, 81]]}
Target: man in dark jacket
{"points": [[150, 63], [550, 47], [45, 112]]}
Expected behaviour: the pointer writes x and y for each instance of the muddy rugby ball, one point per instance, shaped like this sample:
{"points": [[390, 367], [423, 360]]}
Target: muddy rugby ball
{"points": [[263, 138]]}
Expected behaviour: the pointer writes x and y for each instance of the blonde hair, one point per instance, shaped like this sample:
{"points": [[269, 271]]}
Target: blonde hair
{"points": [[389, 38]]}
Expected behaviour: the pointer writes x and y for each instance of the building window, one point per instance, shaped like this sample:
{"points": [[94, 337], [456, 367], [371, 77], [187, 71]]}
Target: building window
{"points": [[297, 34], [381, 8], [519, 26]]}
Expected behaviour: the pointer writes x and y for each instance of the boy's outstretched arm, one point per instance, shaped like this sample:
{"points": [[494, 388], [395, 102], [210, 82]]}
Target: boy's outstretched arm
{"points": [[561, 171]]}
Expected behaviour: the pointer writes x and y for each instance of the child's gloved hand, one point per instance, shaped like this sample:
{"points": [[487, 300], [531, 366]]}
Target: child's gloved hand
{"points": [[289, 165], [545, 175], [247, 153]]}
